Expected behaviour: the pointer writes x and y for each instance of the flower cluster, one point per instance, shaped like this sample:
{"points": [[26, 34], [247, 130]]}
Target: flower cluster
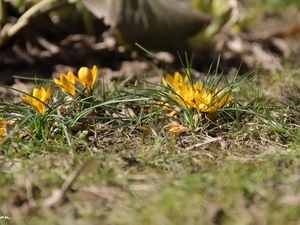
{"points": [[67, 83], [192, 98], [195, 96], [86, 77], [40, 97]]}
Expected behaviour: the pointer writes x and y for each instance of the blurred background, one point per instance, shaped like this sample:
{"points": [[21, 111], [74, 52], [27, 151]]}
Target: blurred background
{"points": [[49, 37]]}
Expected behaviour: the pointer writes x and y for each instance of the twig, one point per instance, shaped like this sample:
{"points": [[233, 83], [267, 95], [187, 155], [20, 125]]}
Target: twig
{"points": [[204, 143], [24, 20], [234, 16], [3, 14], [91, 165]]}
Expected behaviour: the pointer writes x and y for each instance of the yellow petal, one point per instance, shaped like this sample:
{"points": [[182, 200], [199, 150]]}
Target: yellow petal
{"points": [[186, 79], [37, 93], [40, 94], [57, 81], [26, 99], [88, 77], [67, 83], [95, 75], [170, 80], [41, 108], [71, 77], [178, 78], [164, 82], [48, 94], [85, 76]]}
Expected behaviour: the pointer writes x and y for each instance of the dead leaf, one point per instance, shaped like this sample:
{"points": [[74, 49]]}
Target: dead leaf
{"points": [[139, 21], [176, 128]]}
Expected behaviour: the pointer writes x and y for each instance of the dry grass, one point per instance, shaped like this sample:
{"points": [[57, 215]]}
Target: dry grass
{"points": [[237, 172]]}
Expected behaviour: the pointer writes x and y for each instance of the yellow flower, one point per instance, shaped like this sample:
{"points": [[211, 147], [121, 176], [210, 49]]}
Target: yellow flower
{"points": [[195, 96], [184, 91], [67, 82], [42, 95], [176, 82], [88, 77], [5, 127], [209, 101]]}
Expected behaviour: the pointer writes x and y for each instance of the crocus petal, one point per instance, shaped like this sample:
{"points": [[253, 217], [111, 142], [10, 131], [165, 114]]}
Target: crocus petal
{"points": [[164, 82], [67, 83], [37, 93], [178, 78], [48, 94], [43, 97], [95, 75], [85, 76], [88, 77], [41, 108], [26, 99]]}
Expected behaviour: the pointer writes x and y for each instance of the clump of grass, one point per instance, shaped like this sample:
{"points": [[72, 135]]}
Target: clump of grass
{"points": [[73, 111], [197, 104]]}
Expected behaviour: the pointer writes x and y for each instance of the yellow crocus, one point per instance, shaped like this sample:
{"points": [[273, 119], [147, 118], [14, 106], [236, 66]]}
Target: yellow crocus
{"points": [[38, 99], [88, 77], [179, 85], [209, 101], [67, 82], [195, 96], [216, 103], [176, 82]]}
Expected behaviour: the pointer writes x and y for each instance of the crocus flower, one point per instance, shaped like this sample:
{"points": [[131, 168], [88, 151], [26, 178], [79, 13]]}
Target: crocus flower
{"points": [[195, 96], [209, 101], [38, 99], [67, 82], [184, 91], [88, 77]]}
